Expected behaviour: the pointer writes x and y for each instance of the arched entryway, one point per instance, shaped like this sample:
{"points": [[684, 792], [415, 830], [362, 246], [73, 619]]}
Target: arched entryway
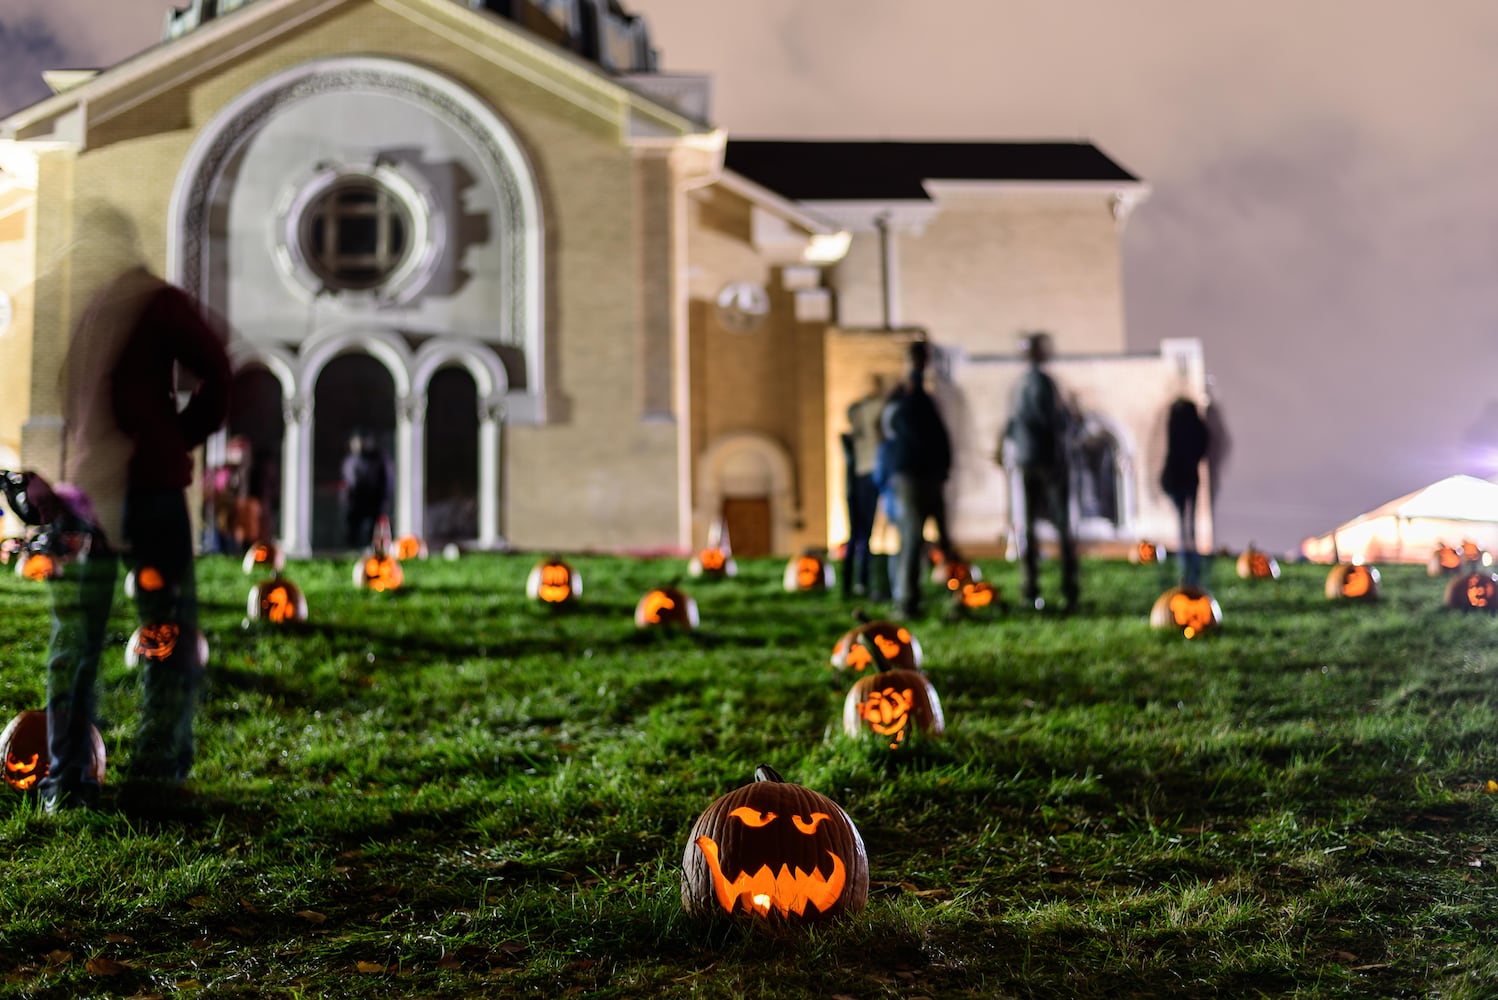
{"points": [[746, 480], [355, 395], [256, 416], [452, 457]]}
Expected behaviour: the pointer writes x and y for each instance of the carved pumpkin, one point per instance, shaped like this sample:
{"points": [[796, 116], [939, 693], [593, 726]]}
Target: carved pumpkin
{"points": [[894, 643], [378, 572], [553, 582], [1256, 565], [277, 601], [808, 572], [712, 564], [1475, 591], [953, 573], [1189, 610], [40, 566], [977, 595], [1146, 553], [1352, 581], [264, 555], [1473, 553], [715, 561], [666, 607], [410, 547], [23, 748], [156, 642], [774, 851], [892, 705]]}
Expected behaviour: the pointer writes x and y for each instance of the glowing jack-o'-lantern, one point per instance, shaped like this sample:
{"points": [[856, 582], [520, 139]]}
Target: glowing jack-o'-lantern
{"points": [[953, 573], [553, 582], [157, 642], [1147, 553], [892, 705], [378, 572], [144, 578], [715, 561], [264, 555], [977, 595], [23, 749], [39, 566], [774, 851], [278, 601], [666, 607], [808, 572], [1353, 582], [1186, 609], [1473, 553], [893, 644], [409, 547], [1475, 591], [1444, 561], [1256, 565]]}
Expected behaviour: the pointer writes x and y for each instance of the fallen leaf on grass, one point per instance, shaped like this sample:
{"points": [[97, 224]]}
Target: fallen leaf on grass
{"points": [[1491, 787], [119, 939], [370, 968], [59, 957], [312, 916], [101, 966]]}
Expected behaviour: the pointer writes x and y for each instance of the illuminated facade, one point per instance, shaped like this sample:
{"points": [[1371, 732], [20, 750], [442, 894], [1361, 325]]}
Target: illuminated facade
{"points": [[575, 314]]}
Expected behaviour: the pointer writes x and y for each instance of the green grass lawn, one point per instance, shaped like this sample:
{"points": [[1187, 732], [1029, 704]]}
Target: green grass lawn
{"points": [[447, 791]]}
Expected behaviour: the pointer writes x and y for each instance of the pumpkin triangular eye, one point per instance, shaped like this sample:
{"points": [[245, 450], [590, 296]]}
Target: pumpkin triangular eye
{"points": [[753, 817], [809, 827]]}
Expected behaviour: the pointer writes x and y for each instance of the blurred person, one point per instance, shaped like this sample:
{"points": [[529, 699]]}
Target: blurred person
{"points": [[125, 466], [919, 460], [860, 449], [1037, 441], [1187, 440], [366, 489]]}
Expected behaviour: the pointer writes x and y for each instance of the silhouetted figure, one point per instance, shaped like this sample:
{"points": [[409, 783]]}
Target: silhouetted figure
{"points": [[919, 460], [1038, 437], [861, 449], [366, 489], [1186, 442], [127, 460]]}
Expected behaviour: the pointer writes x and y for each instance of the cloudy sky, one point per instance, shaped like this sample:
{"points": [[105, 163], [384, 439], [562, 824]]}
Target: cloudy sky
{"points": [[1323, 216]]}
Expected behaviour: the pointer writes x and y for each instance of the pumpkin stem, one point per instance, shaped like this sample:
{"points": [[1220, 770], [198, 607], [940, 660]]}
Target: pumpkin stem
{"points": [[767, 773]]}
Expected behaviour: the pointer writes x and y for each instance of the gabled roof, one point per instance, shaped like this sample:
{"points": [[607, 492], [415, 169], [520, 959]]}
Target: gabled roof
{"points": [[896, 171], [1455, 498], [224, 39]]}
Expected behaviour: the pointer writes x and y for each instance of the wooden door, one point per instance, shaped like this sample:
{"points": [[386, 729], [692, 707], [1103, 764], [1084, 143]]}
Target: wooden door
{"points": [[748, 522]]}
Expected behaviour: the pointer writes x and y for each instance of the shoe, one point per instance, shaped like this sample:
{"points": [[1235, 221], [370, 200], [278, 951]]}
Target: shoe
{"points": [[60, 800]]}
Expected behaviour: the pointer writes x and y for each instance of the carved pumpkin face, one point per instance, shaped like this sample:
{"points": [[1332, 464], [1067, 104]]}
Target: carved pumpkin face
{"points": [[808, 572], [665, 607], [1189, 610], [1352, 581], [1445, 559], [774, 851], [277, 601], [894, 643], [23, 749], [264, 555], [1471, 551], [157, 642], [410, 547], [1146, 553], [976, 595], [1256, 565], [1476, 591], [378, 573], [713, 563], [553, 582], [892, 705]]}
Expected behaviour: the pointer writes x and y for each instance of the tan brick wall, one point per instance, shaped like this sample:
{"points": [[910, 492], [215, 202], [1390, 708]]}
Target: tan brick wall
{"points": [[986, 268]]}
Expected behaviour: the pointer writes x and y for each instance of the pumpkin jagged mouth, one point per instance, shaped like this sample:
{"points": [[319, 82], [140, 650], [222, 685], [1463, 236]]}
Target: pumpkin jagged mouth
{"points": [[787, 892]]}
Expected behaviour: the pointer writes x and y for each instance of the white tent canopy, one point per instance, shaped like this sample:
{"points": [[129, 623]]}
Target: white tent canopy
{"points": [[1409, 528]]}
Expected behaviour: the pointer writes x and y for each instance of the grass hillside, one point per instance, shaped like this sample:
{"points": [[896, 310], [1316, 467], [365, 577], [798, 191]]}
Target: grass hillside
{"points": [[447, 791]]}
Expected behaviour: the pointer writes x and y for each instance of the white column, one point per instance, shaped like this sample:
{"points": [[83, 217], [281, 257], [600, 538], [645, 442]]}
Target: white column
{"points": [[410, 463], [491, 415], [296, 477]]}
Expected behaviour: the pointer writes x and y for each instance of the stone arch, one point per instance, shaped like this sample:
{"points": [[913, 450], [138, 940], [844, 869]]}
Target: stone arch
{"points": [[747, 467], [507, 167], [1104, 498]]}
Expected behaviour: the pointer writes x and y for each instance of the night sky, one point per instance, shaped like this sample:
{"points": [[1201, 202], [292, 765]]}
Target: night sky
{"points": [[1323, 215]]}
